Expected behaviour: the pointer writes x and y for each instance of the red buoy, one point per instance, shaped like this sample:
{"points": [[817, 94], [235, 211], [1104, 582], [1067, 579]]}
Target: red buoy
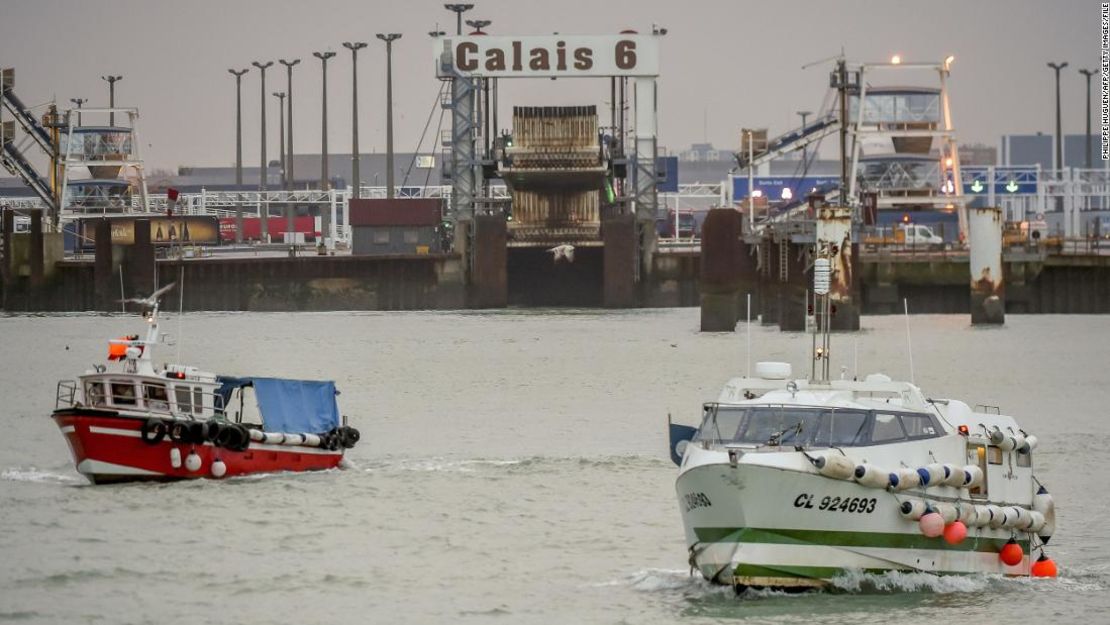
{"points": [[1011, 553], [955, 533], [1044, 567]]}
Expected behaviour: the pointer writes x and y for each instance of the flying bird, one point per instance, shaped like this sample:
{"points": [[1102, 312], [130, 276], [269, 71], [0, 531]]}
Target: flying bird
{"points": [[149, 302], [563, 251]]}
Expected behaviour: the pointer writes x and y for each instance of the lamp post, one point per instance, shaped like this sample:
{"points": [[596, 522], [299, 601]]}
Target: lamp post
{"points": [[238, 74], [1059, 138], [1088, 73], [478, 25], [356, 182], [289, 115], [458, 9], [324, 182], [263, 207], [389, 39], [80, 101], [280, 95], [482, 89], [805, 149], [111, 96]]}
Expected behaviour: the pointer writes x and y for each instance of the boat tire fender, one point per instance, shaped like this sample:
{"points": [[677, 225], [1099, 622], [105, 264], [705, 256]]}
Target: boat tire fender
{"points": [[153, 431], [178, 431]]}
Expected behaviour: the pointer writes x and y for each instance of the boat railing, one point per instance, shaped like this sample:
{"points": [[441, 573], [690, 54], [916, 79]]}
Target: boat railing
{"points": [[66, 394]]}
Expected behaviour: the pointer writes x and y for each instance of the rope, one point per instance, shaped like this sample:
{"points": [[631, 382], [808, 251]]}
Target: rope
{"points": [[420, 143]]}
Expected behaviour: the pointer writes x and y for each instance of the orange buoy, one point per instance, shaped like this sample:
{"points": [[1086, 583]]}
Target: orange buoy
{"points": [[955, 533], [1044, 567], [1011, 553]]}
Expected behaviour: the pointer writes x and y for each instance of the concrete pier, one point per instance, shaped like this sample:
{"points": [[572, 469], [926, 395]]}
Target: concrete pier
{"points": [[618, 235], [988, 306], [104, 269], [489, 278], [140, 266], [721, 266]]}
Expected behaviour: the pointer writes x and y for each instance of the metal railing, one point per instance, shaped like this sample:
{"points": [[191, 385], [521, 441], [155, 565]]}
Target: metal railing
{"points": [[169, 404]]}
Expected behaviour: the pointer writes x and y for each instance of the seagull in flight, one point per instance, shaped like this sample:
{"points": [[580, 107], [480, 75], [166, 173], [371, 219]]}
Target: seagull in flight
{"points": [[152, 300], [563, 251]]}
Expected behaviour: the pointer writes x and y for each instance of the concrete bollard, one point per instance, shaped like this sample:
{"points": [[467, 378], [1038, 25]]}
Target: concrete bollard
{"points": [[988, 304]]}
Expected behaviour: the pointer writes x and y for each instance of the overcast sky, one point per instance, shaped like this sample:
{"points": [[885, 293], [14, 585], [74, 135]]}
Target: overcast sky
{"points": [[725, 64]]}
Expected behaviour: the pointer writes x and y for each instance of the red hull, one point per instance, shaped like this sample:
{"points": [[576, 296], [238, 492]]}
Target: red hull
{"points": [[108, 447]]}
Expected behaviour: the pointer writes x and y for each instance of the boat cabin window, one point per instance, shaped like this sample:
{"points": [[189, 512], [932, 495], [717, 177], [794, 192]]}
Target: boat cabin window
{"points": [[811, 426], [184, 397], [1025, 460], [123, 393], [887, 428], [198, 400], [994, 455], [977, 455], [155, 397], [94, 393]]}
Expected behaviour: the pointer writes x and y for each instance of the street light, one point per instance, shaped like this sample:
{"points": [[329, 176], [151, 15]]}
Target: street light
{"points": [[80, 101], [263, 213], [355, 174], [1059, 138], [280, 95], [289, 181], [459, 9], [1088, 73], [111, 96], [324, 183], [238, 74], [478, 25], [389, 39]]}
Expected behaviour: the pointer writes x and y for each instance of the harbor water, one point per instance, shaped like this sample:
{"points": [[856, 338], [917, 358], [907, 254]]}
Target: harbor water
{"points": [[513, 468]]}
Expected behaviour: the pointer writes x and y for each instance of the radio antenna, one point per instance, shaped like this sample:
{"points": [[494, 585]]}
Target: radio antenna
{"points": [[909, 342]]}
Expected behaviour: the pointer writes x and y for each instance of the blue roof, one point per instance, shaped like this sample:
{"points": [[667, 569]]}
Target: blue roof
{"points": [[292, 406]]}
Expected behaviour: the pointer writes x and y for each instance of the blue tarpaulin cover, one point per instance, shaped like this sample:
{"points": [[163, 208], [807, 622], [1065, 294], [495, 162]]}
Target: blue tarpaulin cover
{"points": [[294, 406]]}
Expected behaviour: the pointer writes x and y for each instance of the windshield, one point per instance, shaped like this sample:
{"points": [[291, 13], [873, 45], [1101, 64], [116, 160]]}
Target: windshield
{"points": [[809, 426]]}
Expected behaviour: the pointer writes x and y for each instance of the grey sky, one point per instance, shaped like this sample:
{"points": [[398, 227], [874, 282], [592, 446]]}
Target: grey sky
{"points": [[735, 63]]}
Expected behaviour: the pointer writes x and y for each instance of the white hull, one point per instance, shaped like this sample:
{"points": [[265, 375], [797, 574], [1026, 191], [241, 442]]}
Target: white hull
{"points": [[761, 523]]}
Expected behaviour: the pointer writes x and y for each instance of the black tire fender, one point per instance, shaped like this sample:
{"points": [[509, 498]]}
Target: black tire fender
{"points": [[153, 431]]}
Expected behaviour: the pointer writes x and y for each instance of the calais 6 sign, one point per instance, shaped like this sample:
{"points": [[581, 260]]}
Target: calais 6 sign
{"points": [[548, 56]]}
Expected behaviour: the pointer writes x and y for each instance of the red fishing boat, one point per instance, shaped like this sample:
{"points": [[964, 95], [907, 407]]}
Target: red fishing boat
{"points": [[129, 420]]}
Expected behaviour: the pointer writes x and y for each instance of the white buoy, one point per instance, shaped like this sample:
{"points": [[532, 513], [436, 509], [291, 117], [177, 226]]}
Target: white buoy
{"points": [[273, 438], [932, 475], [1009, 442], [997, 436], [219, 469], [871, 476], [257, 435], [973, 476], [175, 458], [1011, 515], [967, 514], [982, 516], [912, 509], [1029, 445], [947, 512], [312, 440], [998, 516], [293, 439], [835, 466], [192, 461], [905, 479], [1036, 524], [953, 475], [1043, 503]]}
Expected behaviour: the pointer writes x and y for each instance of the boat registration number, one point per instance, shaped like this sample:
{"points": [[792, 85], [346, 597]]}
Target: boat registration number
{"points": [[862, 505]]}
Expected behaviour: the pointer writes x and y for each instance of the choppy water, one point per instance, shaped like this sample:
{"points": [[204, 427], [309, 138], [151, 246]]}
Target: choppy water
{"points": [[513, 468]]}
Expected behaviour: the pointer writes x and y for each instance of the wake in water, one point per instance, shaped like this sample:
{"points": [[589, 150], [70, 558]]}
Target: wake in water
{"points": [[538, 463], [34, 474]]}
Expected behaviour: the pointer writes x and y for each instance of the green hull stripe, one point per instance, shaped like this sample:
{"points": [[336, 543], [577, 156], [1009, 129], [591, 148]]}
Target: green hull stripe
{"points": [[785, 570], [835, 538]]}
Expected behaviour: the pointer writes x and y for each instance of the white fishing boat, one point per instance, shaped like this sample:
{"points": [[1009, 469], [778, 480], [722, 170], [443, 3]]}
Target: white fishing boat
{"points": [[788, 483]]}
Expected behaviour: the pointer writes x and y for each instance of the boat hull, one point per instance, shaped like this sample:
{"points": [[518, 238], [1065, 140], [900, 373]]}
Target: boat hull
{"points": [[108, 447], [768, 526]]}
